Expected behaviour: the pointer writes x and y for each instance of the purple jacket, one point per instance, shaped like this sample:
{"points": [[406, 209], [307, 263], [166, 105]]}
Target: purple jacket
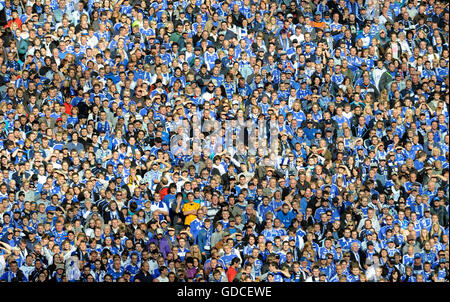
{"points": [[163, 244]]}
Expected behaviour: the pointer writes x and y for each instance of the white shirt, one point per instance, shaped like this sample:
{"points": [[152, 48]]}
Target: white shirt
{"points": [[160, 279], [2, 264]]}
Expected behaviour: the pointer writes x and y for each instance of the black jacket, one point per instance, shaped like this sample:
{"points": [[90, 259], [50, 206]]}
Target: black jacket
{"points": [[143, 277], [3, 21], [362, 258]]}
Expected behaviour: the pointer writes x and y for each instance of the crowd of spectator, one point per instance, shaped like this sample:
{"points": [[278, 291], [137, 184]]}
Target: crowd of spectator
{"points": [[224, 140]]}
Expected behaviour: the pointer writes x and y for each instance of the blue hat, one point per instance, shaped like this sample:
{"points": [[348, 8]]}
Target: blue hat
{"points": [[378, 112], [390, 240], [417, 255], [303, 259], [50, 210]]}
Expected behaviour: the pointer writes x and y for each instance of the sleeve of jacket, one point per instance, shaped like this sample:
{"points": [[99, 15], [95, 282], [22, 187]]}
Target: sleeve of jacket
{"points": [[201, 240]]}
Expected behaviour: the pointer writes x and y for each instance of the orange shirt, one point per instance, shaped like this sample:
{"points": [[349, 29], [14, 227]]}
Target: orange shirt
{"points": [[318, 24]]}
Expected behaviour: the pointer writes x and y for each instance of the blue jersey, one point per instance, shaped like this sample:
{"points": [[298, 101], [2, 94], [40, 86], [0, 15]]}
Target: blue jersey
{"points": [[116, 274]]}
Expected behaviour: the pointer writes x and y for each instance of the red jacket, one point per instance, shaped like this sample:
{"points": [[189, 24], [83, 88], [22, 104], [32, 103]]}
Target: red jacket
{"points": [[231, 273], [17, 21], [68, 108]]}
